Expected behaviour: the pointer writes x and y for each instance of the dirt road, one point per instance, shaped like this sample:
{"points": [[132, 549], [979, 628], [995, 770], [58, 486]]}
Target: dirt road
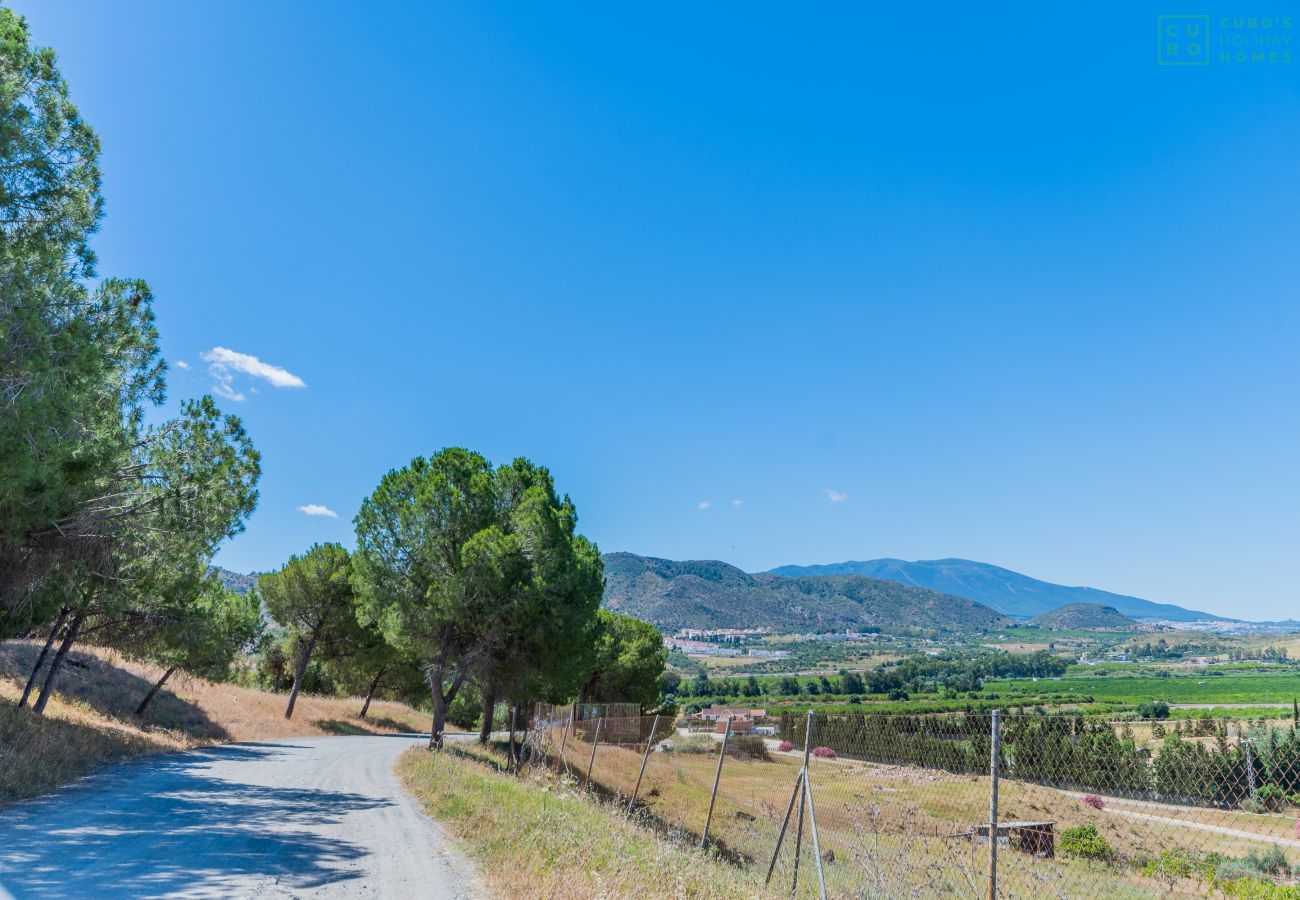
{"points": [[317, 817]]}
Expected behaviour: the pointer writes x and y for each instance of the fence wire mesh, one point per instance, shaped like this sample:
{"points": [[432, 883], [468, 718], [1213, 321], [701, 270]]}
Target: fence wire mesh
{"points": [[903, 803]]}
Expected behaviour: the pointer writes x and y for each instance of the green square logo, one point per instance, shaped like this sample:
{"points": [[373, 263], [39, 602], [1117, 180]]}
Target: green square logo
{"points": [[1183, 40]]}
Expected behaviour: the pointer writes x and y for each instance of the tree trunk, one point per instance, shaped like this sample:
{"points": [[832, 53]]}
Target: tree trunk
{"points": [[64, 647], [374, 686], [489, 711], [439, 715], [302, 670], [153, 691], [441, 703], [40, 659]]}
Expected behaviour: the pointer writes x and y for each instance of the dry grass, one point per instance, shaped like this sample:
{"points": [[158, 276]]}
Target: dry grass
{"points": [[90, 721], [537, 837], [894, 830]]}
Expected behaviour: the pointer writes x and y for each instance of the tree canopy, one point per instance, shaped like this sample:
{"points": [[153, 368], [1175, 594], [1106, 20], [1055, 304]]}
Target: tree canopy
{"points": [[478, 571]]}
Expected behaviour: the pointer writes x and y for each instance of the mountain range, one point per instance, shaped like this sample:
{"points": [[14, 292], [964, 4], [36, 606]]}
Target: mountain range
{"points": [[1001, 589], [713, 594]]}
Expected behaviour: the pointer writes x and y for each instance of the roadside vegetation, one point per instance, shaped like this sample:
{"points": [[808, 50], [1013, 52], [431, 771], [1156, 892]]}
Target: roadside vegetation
{"points": [[91, 722], [540, 837]]}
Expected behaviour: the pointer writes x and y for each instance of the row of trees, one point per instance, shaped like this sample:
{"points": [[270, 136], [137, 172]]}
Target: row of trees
{"points": [[1072, 751], [951, 671], [108, 519], [469, 574]]}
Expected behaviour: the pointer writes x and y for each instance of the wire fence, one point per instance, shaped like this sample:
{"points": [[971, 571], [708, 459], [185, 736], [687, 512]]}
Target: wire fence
{"points": [[990, 804]]}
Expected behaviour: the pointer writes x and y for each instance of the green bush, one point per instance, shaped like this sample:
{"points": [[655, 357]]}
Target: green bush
{"points": [[1272, 798], [1171, 864], [1083, 842], [748, 746], [1157, 709], [696, 743], [1271, 862]]}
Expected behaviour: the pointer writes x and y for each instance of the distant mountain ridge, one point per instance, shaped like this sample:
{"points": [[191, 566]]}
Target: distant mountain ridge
{"points": [[1008, 592], [713, 594]]}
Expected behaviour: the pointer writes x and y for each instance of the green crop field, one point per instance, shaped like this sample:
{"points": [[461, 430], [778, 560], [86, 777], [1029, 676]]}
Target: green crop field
{"points": [[1281, 688]]}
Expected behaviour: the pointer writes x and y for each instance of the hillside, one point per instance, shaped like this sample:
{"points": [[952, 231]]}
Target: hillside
{"points": [[1007, 592], [236, 581], [90, 721], [1084, 615], [708, 593]]}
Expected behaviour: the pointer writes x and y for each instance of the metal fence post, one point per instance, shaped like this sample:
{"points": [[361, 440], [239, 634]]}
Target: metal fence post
{"points": [[649, 742], [594, 744], [1250, 766], [798, 834], [812, 823], [511, 765], [564, 735], [995, 753], [785, 823], [717, 777]]}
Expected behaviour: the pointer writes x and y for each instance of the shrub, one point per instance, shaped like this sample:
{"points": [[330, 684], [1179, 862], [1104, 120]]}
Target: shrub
{"points": [[1083, 842], [1171, 864], [787, 746], [696, 743], [1157, 709], [1092, 800], [748, 746], [1272, 797], [1271, 862], [823, 753]]}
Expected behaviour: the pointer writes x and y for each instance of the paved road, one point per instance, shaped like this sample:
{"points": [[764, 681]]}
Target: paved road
{"points": [[315, 817]]}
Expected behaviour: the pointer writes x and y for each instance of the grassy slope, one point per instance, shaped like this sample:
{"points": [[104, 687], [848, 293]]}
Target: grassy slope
{"points": [[540, 839], [90, 720]]}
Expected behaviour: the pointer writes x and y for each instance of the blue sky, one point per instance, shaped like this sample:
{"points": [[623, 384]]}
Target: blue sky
{"points": [[757, 282]]}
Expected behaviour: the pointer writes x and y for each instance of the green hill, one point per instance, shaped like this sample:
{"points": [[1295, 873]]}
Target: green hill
{"points": [[1084, 615], [712, 594]]}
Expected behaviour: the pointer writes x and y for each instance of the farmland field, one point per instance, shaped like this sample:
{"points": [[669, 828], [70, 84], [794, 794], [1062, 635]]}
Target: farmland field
{"points": [[1281, 688]]}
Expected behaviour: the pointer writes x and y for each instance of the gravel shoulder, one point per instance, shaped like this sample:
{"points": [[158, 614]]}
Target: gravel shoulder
{"points": [[315, 817]]}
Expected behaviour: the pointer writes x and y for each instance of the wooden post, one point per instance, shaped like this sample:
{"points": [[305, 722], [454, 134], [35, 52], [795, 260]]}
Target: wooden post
{"points": [[649, 742], [594, 744], [717, 776], [995, 748]]}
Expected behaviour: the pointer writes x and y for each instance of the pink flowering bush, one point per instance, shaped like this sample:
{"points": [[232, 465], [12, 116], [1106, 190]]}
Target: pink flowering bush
{"points": [[786, 747], [823, 753], [1092, 800]]}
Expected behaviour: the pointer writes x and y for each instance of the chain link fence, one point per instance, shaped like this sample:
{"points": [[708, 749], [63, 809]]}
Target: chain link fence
{"points": [[990, 804]]}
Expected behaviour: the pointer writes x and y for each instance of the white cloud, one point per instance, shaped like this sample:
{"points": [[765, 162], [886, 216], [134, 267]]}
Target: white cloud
{"points": [[835, 496], [703, 504], [317, 509], [182, 364], [737, 504], [223, 364]]}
